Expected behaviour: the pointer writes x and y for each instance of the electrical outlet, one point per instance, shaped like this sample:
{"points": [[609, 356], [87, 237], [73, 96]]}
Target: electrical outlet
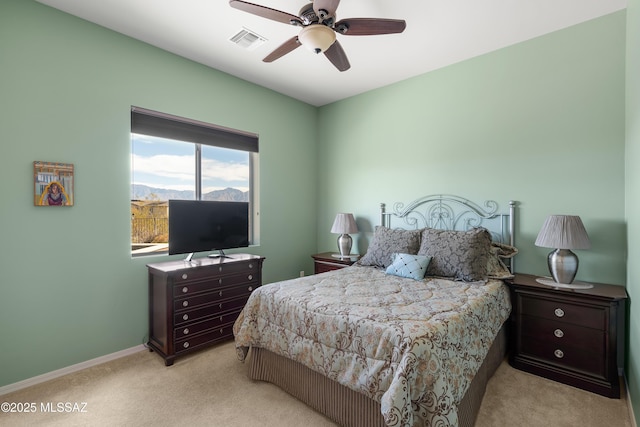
{"points": [[301, 273]]}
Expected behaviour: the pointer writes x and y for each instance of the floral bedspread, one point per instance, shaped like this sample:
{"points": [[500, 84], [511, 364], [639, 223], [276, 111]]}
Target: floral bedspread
{"points": [[414, 346]]}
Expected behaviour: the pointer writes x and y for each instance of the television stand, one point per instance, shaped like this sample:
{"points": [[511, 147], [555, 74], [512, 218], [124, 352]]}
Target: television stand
{"points": [[192, 306], [220, 254]]}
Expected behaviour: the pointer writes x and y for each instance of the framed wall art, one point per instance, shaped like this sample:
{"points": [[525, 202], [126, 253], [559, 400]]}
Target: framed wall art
{"points": [[53, 184]]}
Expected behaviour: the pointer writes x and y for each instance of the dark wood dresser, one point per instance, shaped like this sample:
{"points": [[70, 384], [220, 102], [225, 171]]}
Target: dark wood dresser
{"points": [[572, 336], [326, 261], [193, 304]]}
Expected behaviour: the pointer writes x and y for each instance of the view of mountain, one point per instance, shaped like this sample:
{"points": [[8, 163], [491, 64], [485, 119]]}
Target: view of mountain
{"points": [[143, 192]]}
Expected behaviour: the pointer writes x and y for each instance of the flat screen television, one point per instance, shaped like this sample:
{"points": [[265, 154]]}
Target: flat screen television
{"points": [[204, 225]]}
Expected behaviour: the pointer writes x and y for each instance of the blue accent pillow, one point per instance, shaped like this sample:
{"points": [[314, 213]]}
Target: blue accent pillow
{"points": [[409, 266]]}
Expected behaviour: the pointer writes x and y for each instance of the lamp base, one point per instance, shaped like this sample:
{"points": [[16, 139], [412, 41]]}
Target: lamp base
{"points": [[563, 265], [344, 244], [553, 283]]}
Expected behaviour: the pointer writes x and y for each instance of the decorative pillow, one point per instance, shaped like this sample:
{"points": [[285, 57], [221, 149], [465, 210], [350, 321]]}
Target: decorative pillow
{"points": [[462, 255], [410, 266], [504, 250], [387, 241], [496, 269]]}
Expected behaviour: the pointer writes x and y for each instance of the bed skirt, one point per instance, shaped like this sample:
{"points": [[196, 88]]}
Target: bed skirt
{"points": [[349, 408]]}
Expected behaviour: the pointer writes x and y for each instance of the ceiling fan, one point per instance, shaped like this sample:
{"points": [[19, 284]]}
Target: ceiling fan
{"points": [[319, 28]]}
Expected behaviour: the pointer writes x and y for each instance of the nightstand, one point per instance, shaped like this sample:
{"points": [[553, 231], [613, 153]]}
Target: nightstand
{"points": [[575, 337], [326, 261]]}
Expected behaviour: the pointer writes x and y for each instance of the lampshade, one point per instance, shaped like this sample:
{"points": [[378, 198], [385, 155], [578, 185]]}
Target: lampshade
{"points": [[317, 37], [344, 224], [563, 232]]}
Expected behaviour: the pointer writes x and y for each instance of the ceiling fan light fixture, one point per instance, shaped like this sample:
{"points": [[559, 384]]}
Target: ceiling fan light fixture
{"points": [[317, 37]]}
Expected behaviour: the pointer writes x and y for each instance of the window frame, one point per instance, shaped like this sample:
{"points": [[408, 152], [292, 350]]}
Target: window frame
{"points": [[164, 125]]}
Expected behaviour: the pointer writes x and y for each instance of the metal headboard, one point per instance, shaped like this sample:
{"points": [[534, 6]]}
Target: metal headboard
{"points": [[449, 212]]}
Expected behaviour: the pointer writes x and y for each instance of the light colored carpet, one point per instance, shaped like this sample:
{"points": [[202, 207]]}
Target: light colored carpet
{"points": [[210, 388], [526, 400]]}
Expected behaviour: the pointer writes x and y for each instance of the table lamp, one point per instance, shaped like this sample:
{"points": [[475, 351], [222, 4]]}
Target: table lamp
{"points": [[344, 224], [563, 232]]}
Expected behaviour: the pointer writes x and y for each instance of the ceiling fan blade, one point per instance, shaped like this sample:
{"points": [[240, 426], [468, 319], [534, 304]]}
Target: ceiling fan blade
{"points": [[265, 12], [369, 26], [338, 58], [283, 49], [329, 5]]}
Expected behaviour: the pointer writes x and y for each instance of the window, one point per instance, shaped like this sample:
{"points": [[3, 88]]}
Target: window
{"points": [[177, 158]]}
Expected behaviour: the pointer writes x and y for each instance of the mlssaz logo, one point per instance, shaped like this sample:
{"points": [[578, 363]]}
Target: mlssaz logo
{"points": [[80, 407]]}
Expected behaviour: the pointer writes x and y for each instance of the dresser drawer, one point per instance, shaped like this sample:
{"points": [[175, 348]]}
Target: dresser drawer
{"points": [[327, 261], [221, 333], [215, 295], [565, 356], [583, 315], [206, 284], [561, 333], [195, 328], [321, 267], [195, 274], [192, 315]]}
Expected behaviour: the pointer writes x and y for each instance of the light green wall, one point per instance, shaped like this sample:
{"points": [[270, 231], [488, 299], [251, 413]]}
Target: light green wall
{"points": [[632, 199], [540, 122], [70, 291]]}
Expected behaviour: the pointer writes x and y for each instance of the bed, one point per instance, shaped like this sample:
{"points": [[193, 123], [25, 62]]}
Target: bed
{"points": [[407, 336]]}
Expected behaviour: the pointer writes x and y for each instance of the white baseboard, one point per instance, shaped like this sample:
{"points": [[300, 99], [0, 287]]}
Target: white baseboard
{"points": [[627, 397], [69, 369]]}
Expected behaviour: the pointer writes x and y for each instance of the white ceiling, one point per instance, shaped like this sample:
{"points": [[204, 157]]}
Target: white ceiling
{"points": [[439, 33]]}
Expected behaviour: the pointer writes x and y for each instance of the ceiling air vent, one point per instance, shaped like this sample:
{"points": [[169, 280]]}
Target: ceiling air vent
{"points": [[247, 39]]}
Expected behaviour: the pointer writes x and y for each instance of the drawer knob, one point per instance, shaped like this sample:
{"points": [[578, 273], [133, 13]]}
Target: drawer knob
{"points": [[185, 303], [220, 281], [559, 354], [222, 331], [221, 306], [558, 333], [220, 269], [250, 265], [186, 331], [559, 312], [250, 288], [185, 290], [185, 317], [186, 344], [250, 277], [184, 276], [221, 293]]}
